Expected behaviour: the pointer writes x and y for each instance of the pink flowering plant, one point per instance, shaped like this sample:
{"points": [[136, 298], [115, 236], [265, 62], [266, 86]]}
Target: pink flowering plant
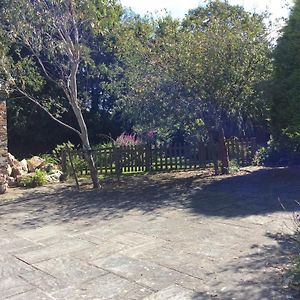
{"points": [[126, 139]]}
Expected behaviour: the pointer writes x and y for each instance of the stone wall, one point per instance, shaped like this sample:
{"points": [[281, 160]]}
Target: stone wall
{"points": [[3, 137]]}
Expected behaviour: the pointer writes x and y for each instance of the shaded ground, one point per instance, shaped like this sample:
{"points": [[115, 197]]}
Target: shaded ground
{"points": [[170, 236]]}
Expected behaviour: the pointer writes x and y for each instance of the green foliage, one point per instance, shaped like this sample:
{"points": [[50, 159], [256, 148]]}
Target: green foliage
{"points": [[233, 166], [79, 164], [292, 277], [275, 155], [103, 145], [260, 156], [38, 179], [286, 84], [56, 152], [50, 158], [35, 60], [78, 160], [293, 274], [211, 67]]}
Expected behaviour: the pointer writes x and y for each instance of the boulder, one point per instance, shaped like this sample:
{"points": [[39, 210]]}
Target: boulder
{"points": [[11, 182], [50, 168], [34, 163], [23, 165], [9, 170], [11, 159], [54, 177], [19, 169]]}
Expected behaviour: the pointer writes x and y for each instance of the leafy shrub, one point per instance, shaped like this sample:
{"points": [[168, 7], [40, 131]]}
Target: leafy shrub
{"points": [[260, 156], [274, 155], [50, 158], [233, 166], [56, 152], [78, 162], [292, 276], [103, 146], [38, 179]]}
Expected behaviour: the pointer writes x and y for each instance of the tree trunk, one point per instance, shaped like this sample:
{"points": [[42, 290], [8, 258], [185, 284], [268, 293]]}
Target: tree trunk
{"points": [[73, 99], [86, 145], [223, 152], [213, 149], [93, 170]]}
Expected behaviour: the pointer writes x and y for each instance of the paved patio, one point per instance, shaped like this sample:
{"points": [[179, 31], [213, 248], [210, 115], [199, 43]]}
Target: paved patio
{"points": [[172, 237]]}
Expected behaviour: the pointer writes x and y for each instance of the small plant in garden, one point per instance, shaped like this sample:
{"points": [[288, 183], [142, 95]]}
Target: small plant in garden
{"points": [[103, 146], [292, 276], [78, 162], [38, 179], [50, 158], [233, 166], [127, 140], [260, 156], [56, 153]]}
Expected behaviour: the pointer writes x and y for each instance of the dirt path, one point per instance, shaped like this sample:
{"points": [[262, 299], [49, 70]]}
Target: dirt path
{"points": [[171, 236]]}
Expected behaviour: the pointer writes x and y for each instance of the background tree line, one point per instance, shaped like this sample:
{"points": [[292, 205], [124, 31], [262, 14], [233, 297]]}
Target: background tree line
{"points": [[212, 74]]}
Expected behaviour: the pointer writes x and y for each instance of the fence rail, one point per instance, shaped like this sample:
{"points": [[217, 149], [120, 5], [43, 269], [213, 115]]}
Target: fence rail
{"points": [[147, 158]]}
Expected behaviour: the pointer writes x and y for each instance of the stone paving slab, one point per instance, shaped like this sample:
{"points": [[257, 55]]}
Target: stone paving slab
{"points": [[52, 251], [10, 286], [31, 295], [108, 286], [68, 269], [172, 239], [143, 272], [11, 243], [44, 281], [10, 266], [173, 292], [134, 239], [41, 233], [104, 249]]}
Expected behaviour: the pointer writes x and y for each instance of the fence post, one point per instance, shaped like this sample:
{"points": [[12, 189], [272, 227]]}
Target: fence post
{"points": [[214, 153], [117, 155], [148, 157]]}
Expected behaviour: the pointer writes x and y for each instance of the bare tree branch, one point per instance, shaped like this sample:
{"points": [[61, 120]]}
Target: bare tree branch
{"points": [[32, 99]]}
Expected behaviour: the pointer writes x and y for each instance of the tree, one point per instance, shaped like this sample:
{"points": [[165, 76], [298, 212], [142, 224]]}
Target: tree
{"points": [[285, 113], [31, 132], [207, 71], [49, 41], [148, 87]]}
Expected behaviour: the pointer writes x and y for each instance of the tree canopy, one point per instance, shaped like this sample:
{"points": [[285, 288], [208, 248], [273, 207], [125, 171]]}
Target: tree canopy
{"points": [[205, 72], [286, 85]]}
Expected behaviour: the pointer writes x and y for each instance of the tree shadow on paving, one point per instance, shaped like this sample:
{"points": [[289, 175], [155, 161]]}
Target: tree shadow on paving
{"points": [[256, 193], [257, 275]]}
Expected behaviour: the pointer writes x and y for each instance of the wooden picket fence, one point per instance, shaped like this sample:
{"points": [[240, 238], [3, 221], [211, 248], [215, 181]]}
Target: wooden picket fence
{"points": [[153, 158]]}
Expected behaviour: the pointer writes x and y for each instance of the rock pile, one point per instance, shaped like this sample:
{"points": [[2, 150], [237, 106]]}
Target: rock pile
{"points": [[18, 170]]}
